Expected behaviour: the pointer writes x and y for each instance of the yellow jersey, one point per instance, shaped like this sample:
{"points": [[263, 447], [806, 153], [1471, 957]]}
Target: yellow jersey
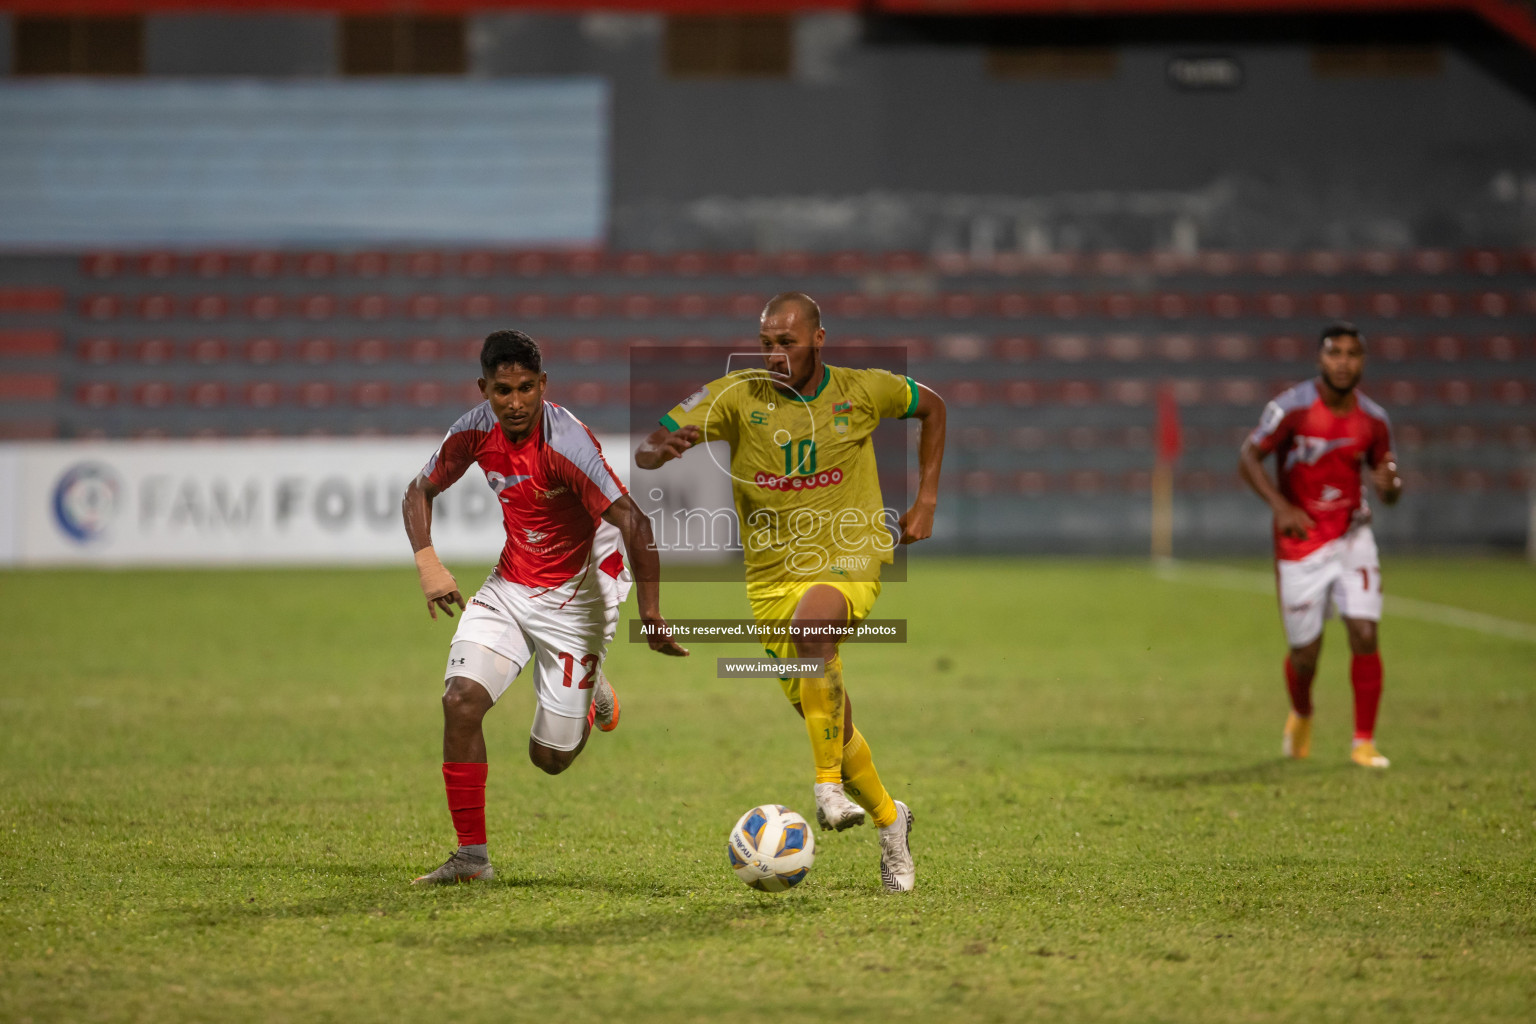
{"points": [[803, 468]]}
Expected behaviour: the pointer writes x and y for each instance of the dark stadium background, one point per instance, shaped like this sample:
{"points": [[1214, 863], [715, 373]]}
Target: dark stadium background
{"points": [[1057, 209]]}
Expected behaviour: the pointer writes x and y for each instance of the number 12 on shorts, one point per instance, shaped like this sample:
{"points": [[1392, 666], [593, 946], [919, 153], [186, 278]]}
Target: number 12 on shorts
{"points": [[588, 662]]}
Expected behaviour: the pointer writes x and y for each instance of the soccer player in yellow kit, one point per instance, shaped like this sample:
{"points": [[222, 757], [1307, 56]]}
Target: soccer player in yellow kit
{"points": [[814, 529]]}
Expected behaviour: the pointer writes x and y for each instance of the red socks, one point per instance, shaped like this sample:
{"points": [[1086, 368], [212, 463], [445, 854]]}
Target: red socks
{"points": [[1365, 677], [465, 783], [1300, 687]]}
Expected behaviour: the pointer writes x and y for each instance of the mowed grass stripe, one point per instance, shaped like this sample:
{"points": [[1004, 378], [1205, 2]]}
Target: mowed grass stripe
{"points": [[215, 786]]}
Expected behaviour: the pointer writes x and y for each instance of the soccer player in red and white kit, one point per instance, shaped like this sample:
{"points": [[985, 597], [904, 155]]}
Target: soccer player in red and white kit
{"points": [[553, 600], [1322, 432]]}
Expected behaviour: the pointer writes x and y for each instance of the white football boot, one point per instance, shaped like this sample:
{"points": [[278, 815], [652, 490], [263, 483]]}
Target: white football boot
{"points": [[897, 872], [459, 867], [833, 808]]}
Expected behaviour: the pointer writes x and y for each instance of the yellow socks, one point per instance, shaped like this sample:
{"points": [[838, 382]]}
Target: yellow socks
{"points": [[822, 702], [862, 782]]}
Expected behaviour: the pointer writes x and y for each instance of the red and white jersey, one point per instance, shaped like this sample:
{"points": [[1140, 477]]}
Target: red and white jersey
{"points": [[1318, 457], [553, 487]]}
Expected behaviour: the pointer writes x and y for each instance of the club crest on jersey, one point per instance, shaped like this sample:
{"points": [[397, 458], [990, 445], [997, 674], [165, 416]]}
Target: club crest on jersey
{"points": [[1308, 450], [687, 404]]}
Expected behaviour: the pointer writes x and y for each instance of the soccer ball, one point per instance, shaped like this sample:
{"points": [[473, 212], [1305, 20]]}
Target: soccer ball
{"points": [[771, 848]]}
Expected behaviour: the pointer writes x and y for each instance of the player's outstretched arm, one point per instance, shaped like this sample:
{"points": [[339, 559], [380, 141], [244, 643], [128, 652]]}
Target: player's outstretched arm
{"points": [[665, 445], [1289, 520], [640, 545], [437, 583], [917, 523]]}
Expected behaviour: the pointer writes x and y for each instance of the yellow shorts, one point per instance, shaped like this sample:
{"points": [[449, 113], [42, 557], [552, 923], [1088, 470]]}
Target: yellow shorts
{"points": [[773, 601]]}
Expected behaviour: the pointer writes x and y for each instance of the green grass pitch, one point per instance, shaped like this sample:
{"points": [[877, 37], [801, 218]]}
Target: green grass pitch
{"points": [[215, 787]]}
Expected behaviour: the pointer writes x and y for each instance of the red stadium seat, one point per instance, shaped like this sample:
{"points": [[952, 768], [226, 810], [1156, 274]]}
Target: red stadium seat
{"points": [[28, 430], [1082, 438], [1379, 261], [1325, 262], [1020, 392], [156, 264], [1487, 262], [479, 306], [1272, 262], [1015, 349], [321, 306], [1393, 348], [426, 306], [1234, 348], [1446, 348], [1408, 436], [586, 350], [639, 306], [1128, 391], [424, 264], [745, 305], [210, 265], [1440, 304], [1511, 392], [1226, 305], [1030, 483], [1187, 391], [962, 305], [1066, 306], [1457, 391], [1136, 481], [964, 394], [1219, 264], [262, 394], [208, 307], [424, 350], [372, 307], [425, 394], [1171, 305], [849, 263], [477, 264], [691, 306], [101, 265], [903, 262], [1122, 305], [264, 265], [1113, 263], [370, 351], [98, 351], [156, 307], [208, 394], [851, 305], [316, 394], [1280, 305], [1240, 391], [264, 307], [317, 265], [368, 264], [530, 264], [28, 387], [1432, 261], [95, 307], [1086, 481], [909, 305], [1520, 435], [1502, 348], [370, 394], [1385, 305], [1178, 348], [1077, 392], [1331, 305], [1494, 304], [1068, 348], [1471, 481], [978, 483], [587, 306], [691, 264], [154, 351], [316, 351], [205, 351], [28, 343], [96, 394], [1287, 348], [153, 394], [261, 351], [637, 264], [975, 438], [962, 348], [469, 393], [531, 305], [583, 264]]}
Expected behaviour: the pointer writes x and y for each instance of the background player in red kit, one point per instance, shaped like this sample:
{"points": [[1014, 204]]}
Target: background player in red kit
{"points": [[551, 600], [1322, 431]]}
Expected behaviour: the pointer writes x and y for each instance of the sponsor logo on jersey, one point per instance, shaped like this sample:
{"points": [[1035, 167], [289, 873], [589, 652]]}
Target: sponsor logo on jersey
{"points": [[759, 418], [535, 536], [552, 493], [769, 481], [482, 604], [687, 404], [86, 500], [1308, 450]]}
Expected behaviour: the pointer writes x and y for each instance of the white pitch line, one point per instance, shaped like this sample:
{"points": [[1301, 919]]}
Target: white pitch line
{"points": [[1403, 607]]}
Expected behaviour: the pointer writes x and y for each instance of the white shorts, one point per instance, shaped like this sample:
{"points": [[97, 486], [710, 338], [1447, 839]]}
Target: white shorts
{"points": [[1343, 575], [564, 631]]}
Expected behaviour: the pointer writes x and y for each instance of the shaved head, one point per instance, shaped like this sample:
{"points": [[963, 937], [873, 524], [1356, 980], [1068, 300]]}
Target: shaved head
{"points": [[798, 301]]}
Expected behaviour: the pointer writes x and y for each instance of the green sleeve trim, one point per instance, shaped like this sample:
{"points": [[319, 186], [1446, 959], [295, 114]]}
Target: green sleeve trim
{"points": [[670, 423], [911, 405]]}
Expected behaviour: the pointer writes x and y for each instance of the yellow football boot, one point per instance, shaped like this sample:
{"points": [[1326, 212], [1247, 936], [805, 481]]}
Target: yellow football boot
{"points": [[1297, 740], [1366, 755]]}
